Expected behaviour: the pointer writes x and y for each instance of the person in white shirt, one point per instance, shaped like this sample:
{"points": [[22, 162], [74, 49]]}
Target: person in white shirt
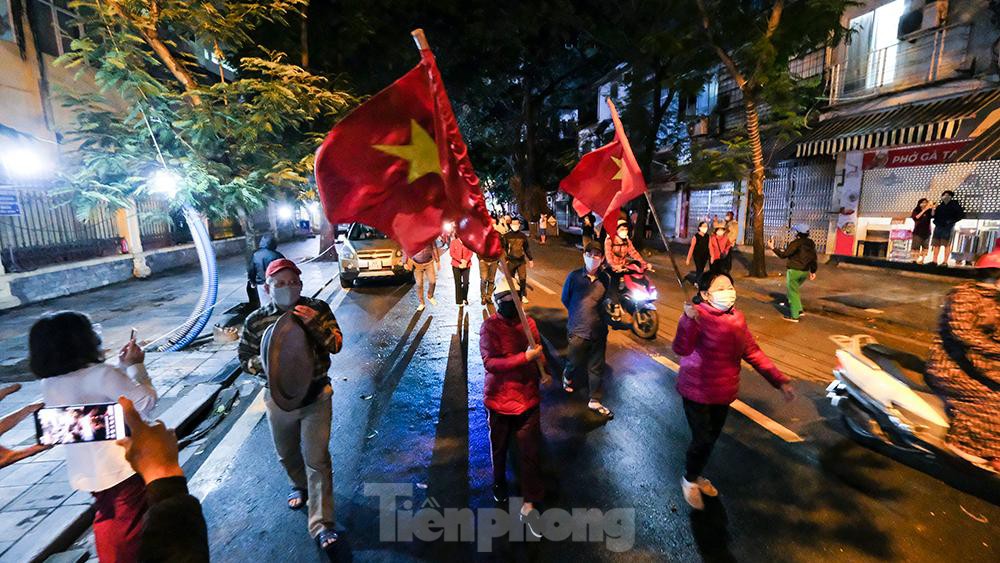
{"points": [[66, 353]]}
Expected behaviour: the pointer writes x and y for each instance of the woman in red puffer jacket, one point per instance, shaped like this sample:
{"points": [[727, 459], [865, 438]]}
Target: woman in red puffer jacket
{"points": [[510, 392], [712, 339]]}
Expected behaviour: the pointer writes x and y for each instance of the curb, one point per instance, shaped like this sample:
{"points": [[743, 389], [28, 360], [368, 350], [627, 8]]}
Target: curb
{"points": [[180, 416]]}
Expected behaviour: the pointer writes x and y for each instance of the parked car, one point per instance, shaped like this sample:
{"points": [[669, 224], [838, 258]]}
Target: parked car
{"points": [[369, 254]]}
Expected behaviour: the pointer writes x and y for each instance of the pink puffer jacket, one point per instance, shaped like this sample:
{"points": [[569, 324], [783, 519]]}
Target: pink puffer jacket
{"points": [[711, 349]]}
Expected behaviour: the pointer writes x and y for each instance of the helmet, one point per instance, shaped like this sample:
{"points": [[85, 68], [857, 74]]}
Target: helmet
{"points": [[801, 228], [989, 260]]}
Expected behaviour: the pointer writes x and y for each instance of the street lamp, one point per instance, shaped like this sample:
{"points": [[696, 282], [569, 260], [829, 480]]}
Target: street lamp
{"points": [[285, 212], [23, 162], [164, 181]]}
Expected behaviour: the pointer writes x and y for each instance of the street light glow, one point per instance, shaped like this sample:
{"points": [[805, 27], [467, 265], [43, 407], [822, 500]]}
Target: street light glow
{"points": [[25, 162], [164, 181], [285, 212]]}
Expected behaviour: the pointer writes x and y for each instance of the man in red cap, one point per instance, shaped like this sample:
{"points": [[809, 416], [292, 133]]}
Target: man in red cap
{"points": [[302, 435]]}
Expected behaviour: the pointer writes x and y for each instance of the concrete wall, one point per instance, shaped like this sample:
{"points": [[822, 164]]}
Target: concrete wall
{"points": [[67, 279]]}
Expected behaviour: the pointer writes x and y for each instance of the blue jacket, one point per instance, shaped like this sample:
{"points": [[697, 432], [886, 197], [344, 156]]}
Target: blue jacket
{"points": [[583, 299]]}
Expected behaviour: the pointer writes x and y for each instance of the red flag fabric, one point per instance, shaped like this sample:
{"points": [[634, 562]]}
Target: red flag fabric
{"points": [[399, 164], [605, 179]]}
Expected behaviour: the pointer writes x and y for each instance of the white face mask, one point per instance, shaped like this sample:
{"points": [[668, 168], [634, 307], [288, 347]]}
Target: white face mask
{"points": [[285, 297], [703, 230], [722, 299], [623, 234], [592, 263]]}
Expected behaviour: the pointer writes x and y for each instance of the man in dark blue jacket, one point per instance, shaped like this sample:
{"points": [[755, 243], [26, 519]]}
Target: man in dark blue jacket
{"points": [[265, 254], [583, 296]]}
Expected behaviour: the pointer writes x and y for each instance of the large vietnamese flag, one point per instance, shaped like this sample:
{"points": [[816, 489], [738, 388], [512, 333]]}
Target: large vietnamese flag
{"points": [[398, 163], [607, 178]]}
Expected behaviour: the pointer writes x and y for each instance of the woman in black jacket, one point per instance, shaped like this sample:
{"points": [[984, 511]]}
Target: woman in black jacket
{"points": [[921, 216]]}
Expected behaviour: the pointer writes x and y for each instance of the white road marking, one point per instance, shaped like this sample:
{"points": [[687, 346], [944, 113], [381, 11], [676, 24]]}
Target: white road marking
{"points": [[220, 463], [339, 298], [539, 285], [768, 423], [753, 414]]}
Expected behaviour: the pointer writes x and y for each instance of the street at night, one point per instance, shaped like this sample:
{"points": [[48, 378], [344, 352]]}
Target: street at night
{"points": [[466, 280]]}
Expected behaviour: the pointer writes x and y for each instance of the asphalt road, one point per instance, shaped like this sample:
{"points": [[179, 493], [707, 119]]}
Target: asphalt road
{"points": [[408, 410]]}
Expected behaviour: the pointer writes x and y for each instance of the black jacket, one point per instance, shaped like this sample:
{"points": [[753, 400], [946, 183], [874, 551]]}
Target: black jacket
{"points": [[947, 214], [517, 247], [801, 254], [175, 529], [264, 255]]}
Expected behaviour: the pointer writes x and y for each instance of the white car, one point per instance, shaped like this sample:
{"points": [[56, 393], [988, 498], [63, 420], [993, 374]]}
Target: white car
{"points": [[368, 254]]}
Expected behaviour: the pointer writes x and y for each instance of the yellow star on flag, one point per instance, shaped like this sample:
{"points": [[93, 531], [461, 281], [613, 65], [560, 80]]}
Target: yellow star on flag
{"points": [[421, 153], [621, 168]]}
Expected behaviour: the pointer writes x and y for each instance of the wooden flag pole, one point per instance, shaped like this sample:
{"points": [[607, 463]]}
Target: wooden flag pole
{"points": [[421, 40], [652, 208]]}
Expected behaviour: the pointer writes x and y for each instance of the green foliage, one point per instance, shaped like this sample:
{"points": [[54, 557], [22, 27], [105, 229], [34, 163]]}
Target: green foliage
{"points": [[233, 143]]}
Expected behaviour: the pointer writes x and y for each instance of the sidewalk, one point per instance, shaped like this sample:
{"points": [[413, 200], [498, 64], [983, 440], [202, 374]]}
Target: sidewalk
{"points": [[39, 513]]}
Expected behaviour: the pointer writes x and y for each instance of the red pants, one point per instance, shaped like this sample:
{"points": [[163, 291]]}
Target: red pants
{"points": [[118, 521]]}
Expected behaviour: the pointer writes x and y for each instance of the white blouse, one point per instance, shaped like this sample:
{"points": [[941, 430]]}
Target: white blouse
{"points": [[97, 466]]}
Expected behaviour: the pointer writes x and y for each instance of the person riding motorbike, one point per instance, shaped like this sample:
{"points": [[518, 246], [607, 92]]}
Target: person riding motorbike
{"points": [[618, 252], [964, 364]]}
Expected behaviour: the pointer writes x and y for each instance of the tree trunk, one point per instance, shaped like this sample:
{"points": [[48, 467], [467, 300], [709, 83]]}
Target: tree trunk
{"points": [[304, 37], [755, 190], [528, 171], [167, 58], [327, 240]]}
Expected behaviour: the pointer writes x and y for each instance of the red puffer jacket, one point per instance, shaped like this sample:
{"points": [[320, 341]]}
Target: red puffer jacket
{"points": [[511, 385], [711, 348]]}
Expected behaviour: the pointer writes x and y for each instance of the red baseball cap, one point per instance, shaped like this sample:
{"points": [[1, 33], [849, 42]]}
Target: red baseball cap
{"points": [[281, 264]]}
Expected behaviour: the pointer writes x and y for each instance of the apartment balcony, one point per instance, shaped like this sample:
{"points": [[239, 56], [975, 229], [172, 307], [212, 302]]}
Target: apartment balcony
{"points": [[921, 58]]}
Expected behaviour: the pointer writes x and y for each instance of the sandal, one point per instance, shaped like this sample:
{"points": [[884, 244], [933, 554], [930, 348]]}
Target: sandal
{"points": [[297, 499], [600, 409], [567, 384], [327, 539]]}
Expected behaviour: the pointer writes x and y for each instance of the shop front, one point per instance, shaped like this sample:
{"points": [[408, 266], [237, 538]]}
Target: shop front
{"points": [[894, 180]]}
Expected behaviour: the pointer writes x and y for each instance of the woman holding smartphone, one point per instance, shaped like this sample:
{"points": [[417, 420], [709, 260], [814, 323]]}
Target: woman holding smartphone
{"points": [[65, 352]]}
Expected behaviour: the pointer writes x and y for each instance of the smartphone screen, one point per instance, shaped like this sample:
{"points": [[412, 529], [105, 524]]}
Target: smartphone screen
{"points": [[79, 424]]}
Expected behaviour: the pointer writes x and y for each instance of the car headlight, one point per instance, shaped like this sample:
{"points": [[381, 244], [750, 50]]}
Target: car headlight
{"points": [[399, 254]]}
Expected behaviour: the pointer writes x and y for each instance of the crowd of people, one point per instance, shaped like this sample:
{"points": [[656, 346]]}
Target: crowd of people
{"points": [[142, 507]]}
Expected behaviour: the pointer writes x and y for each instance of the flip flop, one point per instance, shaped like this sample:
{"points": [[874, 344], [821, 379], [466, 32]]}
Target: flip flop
{"points": [[298, 495], [327, 539], [567, 384], [601, 410]]}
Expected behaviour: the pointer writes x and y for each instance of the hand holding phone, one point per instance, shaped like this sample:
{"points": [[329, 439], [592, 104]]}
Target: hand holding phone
{"points": [[7, 455], [131, 354], [79, 424], [152, 449]]}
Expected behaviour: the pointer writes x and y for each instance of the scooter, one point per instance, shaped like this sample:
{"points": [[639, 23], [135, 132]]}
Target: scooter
{"points": [[638, 302], [883, 399]]}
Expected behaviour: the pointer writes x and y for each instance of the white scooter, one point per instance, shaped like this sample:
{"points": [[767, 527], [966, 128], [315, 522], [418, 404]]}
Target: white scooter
{"points": [[882, 397]]}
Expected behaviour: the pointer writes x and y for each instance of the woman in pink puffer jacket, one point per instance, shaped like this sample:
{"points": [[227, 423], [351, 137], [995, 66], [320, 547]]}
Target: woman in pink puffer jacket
{"points": [[712, 340]]}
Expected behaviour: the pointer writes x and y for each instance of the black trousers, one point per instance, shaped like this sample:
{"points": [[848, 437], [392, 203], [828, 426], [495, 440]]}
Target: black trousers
{"points": [[589, 354], [526, 429], [519, 269], [461, 284], [699, 264], [706, 422]]}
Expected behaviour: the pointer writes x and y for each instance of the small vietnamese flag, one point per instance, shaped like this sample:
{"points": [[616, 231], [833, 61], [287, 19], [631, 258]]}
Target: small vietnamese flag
{"points": [[399, 164], [607, 178]]}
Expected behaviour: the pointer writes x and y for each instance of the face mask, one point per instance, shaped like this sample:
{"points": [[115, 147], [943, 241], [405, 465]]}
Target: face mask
{"points": [[592, 263], [623, 234], [507, 309], [723, 299], [703, 230], [285, 297], [515, 226]]}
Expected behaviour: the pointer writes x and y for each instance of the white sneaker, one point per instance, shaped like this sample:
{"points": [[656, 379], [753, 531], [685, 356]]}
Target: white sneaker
{"points": [[420, 307], [692, 494], [706, 487], [432, 300], [525, 300]]}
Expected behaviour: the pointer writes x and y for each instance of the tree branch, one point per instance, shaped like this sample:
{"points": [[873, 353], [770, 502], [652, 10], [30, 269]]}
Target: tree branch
{"points": [[727, 60], [774, 19]]}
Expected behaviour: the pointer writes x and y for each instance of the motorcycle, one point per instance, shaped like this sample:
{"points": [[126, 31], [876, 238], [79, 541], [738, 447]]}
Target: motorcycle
{"points": [[883, 399], [638, 302]]}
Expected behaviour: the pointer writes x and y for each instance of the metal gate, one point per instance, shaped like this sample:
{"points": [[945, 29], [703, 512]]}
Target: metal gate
{"points": [[797, 191], [707, 203]]}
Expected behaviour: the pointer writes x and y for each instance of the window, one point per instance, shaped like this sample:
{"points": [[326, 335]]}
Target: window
{"points": [[52, 23], [708, 97], [6, 21], [873, 50]]}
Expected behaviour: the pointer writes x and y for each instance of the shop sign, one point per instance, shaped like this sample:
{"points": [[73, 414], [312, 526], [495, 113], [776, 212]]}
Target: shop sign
{"points": [[913, 156], [9, 205]]}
